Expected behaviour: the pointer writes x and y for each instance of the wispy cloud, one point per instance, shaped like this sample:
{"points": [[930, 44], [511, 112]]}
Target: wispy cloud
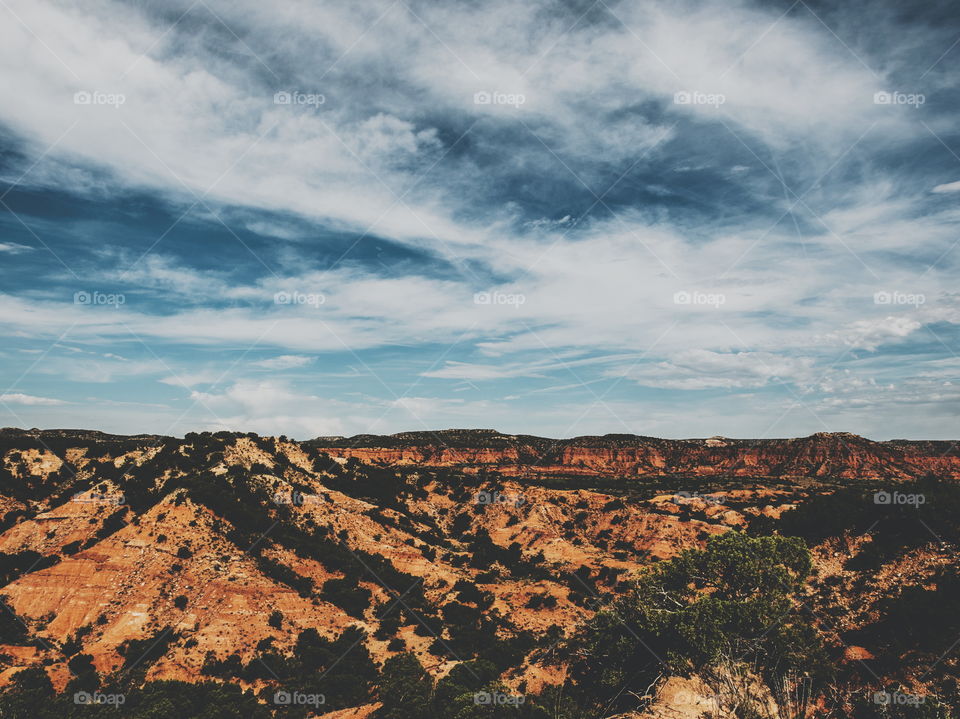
{"points": [[29, 400], [473, 214]]}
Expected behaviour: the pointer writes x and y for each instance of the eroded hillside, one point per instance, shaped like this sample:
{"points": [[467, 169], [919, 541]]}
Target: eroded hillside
{"points": [[263, 565]]}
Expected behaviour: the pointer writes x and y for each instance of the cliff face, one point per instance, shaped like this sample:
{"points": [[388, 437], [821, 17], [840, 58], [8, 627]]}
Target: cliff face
{"points": [[820, 455]]}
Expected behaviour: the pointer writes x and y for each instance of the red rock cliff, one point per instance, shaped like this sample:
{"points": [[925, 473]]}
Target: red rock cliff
{"points": [[820, 455]]}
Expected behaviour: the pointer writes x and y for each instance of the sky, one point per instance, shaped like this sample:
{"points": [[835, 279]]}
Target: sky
{"points": [[678, 219]]}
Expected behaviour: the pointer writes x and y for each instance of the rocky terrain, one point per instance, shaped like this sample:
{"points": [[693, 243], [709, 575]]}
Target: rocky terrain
{"points": [[343, 568], [840, 455]]}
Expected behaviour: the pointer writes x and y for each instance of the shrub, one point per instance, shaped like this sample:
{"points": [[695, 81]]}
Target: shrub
{"points": [[735, 598], [345, 594], [405, 688]]}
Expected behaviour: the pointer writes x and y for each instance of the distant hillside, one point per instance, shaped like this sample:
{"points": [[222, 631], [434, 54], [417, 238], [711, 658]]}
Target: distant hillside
{"points": [[822, 455]]}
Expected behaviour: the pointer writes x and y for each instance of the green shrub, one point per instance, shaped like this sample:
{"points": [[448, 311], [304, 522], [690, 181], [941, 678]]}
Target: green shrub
{"points": [[733, 600], [344, 593]]}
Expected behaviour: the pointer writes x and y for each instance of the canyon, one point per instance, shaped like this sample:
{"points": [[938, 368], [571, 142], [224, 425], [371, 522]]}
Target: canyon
{"points": [[217, 558]]}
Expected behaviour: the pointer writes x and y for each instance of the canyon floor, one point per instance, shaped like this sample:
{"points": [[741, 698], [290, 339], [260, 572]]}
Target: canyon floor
{"points": [[470, 573]]}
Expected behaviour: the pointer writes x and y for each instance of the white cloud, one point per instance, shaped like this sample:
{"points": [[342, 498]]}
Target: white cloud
{"points": [[192, 379], [193, 125], [30, 400], [14, 248], [948, 187], [869, 334], [284, 362], [704, 369], [795, 295], [467, 370]]}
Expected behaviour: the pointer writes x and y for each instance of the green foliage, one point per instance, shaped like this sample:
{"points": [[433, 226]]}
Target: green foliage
{"points": [[138, 654], [31, 696], [207, 700], [114, 523], [405, 689], [917, 620], [894, 527], [30, 691], [345, 594], [12, 628], [341, 670], [733, 600], [85, 677], [282, 574]]}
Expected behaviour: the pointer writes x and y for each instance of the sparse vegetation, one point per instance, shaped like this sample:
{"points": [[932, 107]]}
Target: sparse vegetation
{"points": [[733, 609]]}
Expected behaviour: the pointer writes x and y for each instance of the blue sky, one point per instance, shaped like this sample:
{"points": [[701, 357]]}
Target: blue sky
{"points": [[558, 218]]}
